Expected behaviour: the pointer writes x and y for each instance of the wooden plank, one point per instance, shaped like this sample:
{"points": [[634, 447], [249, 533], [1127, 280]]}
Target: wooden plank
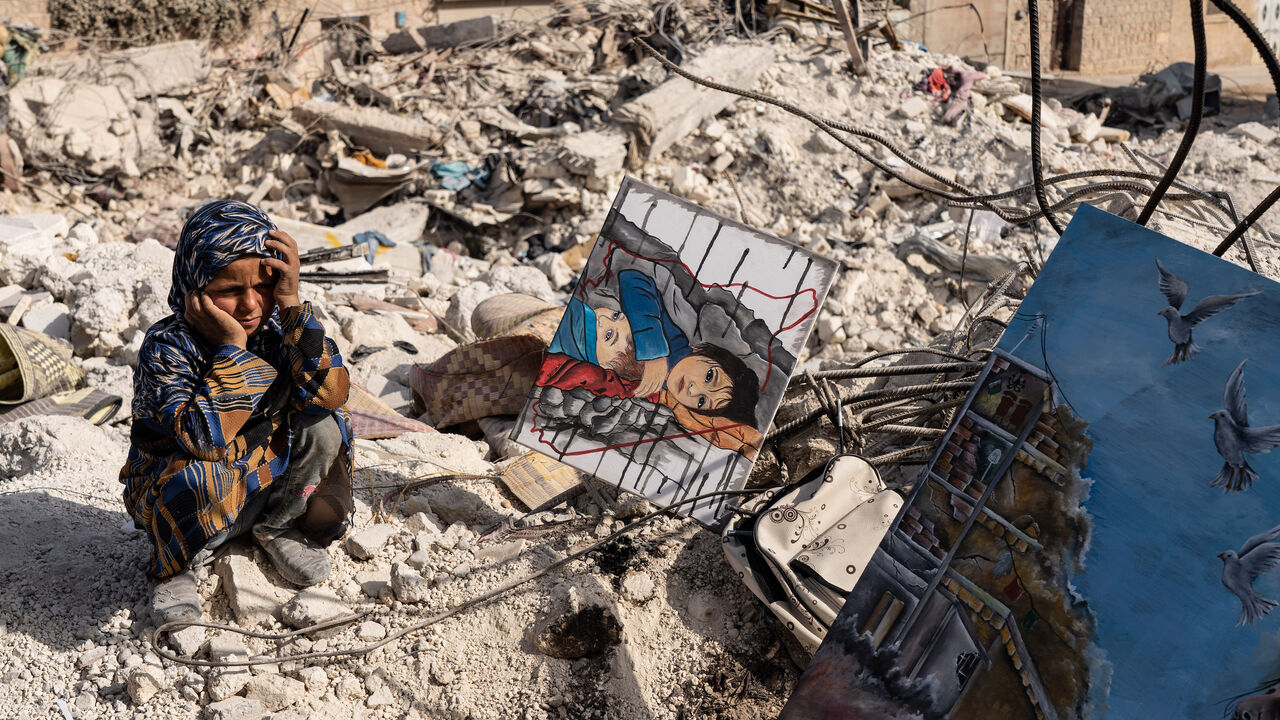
{"points": [[850, 36]]}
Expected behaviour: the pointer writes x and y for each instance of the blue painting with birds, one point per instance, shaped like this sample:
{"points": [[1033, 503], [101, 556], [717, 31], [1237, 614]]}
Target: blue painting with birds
{"points": [[1152, 373]]}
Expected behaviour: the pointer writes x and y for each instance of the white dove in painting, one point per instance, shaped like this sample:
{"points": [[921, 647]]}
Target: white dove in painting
{"points": [[1175, 291], [1259, 554], [1233, 436]]}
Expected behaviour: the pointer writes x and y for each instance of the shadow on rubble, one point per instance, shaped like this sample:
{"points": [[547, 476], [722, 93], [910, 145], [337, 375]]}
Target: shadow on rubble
{"points": [[66, 567], [760, 660]]}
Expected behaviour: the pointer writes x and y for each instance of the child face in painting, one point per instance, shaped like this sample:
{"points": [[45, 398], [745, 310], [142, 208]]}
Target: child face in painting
{"points": [[699, 383], [613, 336]]}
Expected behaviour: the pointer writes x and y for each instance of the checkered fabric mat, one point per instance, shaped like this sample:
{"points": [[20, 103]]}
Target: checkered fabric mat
{"points": [[43, 366]]}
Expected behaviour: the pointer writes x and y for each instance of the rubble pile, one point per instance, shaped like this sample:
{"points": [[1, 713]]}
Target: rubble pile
{"points": [[484, 157]]}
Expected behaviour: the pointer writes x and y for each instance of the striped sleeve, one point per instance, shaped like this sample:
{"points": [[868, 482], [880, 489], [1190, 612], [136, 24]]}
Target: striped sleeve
{"points": [[320, 379], [203, 413]]}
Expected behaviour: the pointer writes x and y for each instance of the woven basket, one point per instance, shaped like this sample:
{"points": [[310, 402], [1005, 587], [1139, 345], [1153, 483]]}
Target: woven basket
{"points": [[34, 365]]}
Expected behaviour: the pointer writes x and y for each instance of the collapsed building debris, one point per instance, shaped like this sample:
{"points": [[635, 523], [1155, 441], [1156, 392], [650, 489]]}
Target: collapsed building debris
{"points": [[484, 156]]}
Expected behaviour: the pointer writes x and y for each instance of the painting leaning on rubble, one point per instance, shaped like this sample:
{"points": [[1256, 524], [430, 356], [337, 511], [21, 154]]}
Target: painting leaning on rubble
{"points": [[1026, 583], [682, 333]]}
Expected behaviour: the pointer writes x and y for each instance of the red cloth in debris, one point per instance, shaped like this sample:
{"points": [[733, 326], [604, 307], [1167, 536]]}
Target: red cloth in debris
{"points": [[939, 88]]}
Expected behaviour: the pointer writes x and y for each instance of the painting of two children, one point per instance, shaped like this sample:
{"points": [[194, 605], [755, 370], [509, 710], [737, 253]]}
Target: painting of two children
{"points": [[638, 350]]}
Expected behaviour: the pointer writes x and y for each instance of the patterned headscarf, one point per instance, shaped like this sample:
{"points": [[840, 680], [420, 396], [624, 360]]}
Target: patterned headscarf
{"points": [[215, 236]]}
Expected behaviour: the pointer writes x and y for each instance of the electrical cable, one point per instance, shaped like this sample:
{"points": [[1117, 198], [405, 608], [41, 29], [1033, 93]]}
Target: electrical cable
{"points": [[480, 599], [1197, 112], [857, 401], [1037, 163], [896, 370], [1247, 223]]}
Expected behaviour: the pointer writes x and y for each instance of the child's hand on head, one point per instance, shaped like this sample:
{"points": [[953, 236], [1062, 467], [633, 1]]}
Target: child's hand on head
{"points": [[213, 323], [288, 268], [655, 373]]}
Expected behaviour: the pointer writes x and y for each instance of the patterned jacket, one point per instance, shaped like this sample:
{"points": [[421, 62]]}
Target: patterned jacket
{"points": [[211, 426]]}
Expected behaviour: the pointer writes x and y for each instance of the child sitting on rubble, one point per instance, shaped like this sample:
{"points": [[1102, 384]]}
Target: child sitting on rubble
{"points": [[239, 426], [711, 391]]}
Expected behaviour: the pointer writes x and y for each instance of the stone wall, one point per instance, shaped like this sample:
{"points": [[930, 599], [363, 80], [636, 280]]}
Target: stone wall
{"points": [[1227, 45], [1125, 35], [1099, 36]]}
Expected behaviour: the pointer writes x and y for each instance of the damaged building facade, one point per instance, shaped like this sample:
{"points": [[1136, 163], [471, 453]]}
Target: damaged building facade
{"points": [[1090, 36]]}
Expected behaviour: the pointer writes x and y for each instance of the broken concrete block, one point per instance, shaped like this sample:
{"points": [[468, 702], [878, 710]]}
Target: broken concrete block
{"points": [[252, 597], [419, 560], [913, 106], [315, 678], [1113, 135], [45, 226], [380, 131], [638, 587], [463, 304], [462, 32], [544, 192], [1086, 129], [102, 128], [53, 319], [236, 708], [555, 268], [381, 697], [897, 189], [275, 692], [1255, 131], [370, 631], [188, 640], [311, 606], [403, 224], [500, 553], [224, 645], [660, 117], [91, 656], [374, 582], [409, 585], [223, 683], [402, 43], [519, 279], [152, 70], [144, 681], [722, 162], [364, 544], [421, 522], [10, 295], [827, 326], [400, 223], [593, 153], [1020, 105]]}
